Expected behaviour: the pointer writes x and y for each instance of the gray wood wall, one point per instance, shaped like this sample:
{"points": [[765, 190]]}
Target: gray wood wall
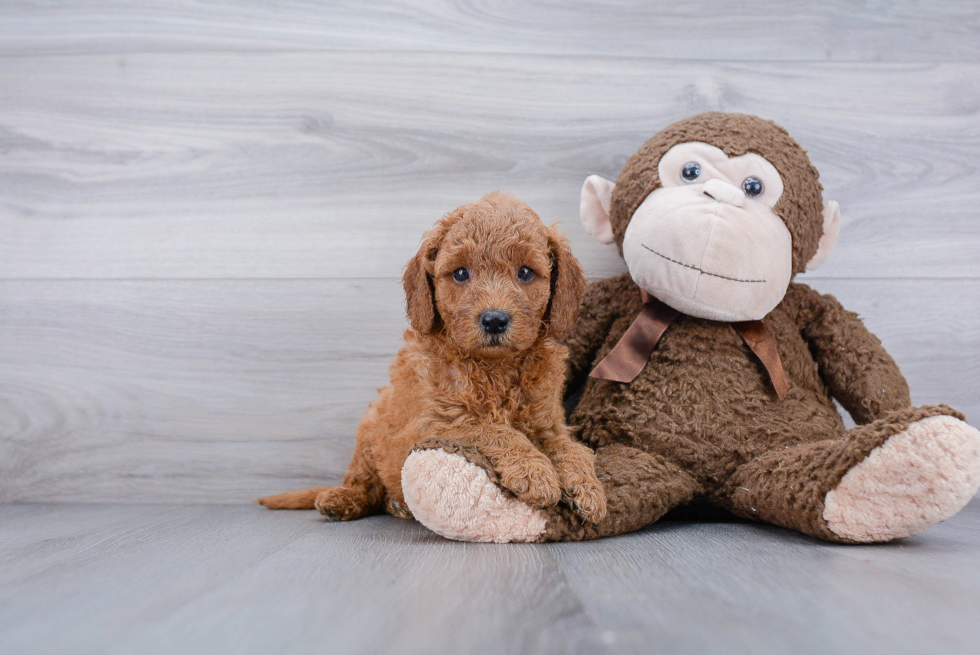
{"points": [[205, 208]]}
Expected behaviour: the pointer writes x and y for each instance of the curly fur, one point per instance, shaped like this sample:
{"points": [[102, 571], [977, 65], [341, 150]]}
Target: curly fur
{"points": [[702, 424], [724, 437], [701, 415], [500, 395]]}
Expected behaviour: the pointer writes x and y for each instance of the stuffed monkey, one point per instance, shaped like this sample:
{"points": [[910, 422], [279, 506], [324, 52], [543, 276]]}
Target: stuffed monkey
{"points": [[709, 375]]}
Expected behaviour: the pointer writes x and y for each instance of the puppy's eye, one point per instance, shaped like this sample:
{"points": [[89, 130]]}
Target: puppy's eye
{"points": [[525, 274], [691, 171], [461, 275], [752, 186]]}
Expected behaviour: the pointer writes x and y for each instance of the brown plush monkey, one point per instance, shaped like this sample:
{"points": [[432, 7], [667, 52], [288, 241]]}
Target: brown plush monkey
{"points": [[713, 373]]}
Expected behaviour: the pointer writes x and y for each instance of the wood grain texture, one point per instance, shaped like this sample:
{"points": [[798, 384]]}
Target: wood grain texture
{"points": [[220, 391], [327, 165], [116, 388], [204, 207], [766, 30], [205, 579]]}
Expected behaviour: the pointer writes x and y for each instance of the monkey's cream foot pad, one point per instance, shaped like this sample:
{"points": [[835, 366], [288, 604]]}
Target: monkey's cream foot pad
{"points": [[917, 478], [456, 499]]}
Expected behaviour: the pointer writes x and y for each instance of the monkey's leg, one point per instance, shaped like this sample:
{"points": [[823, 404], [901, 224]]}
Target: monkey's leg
{"points": [[453, 491], [885, 480], [640, 488]]}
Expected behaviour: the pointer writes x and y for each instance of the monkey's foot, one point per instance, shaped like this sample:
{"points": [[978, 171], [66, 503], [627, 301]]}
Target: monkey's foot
{"points": [[917, 478], [457, 500]]}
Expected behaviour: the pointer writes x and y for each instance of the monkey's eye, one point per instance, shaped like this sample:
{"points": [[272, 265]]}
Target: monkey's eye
{"points": [[461, 275], [752, 186], [525, 274], [691, 171]]}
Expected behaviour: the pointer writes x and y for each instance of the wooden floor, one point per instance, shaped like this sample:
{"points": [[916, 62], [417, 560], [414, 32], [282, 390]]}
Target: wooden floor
{"points": [[205, 208], [240, 579]]}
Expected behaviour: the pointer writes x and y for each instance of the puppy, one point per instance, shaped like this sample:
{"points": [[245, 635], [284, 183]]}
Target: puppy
{"points": [[490, 293]]}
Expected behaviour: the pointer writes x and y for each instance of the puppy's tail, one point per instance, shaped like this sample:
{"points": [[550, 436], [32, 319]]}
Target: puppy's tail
{"points": [[292, 499]]}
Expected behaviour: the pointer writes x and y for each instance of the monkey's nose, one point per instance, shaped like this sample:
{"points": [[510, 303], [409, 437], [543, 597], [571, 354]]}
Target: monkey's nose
{"points": [[724, 192], [494, 321]]}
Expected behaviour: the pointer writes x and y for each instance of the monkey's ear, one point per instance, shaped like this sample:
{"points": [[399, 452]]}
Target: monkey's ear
{"points": [[594, 207], [831, 228], [567, 285], [419, 289]]}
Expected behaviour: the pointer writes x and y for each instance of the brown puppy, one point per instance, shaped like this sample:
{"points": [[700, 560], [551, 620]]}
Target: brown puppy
{"points": [[489, 293]]}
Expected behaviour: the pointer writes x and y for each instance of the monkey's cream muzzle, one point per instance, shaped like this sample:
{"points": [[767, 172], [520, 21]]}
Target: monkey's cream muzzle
{"points": [[703, 247], [707, 240]]}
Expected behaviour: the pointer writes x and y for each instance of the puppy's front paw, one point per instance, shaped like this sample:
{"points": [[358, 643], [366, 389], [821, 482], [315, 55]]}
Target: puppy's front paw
{"points": [[534, 483], [338, 504], [587, 499], [581, 489]]}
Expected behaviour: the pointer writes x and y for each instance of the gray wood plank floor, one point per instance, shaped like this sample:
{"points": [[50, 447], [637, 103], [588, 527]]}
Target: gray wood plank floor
{"points": [[237, 579]]}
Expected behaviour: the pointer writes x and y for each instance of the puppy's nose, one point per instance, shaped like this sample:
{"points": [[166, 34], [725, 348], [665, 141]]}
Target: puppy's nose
{"points": [[494, 321]]}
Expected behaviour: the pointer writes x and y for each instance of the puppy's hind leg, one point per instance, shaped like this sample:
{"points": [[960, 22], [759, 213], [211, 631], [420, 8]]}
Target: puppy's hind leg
{"points": [[361, 495]]}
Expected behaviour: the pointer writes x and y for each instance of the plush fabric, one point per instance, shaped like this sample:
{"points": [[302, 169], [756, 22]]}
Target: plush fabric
{"points": [[915, 479], [702, 422], [831, 230], [739, 446], [724, 262], [457, 499], [800, 205]]}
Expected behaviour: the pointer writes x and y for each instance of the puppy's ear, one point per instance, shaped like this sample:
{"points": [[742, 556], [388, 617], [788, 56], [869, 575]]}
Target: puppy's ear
{"points": [[419, 288], [567, 285]]}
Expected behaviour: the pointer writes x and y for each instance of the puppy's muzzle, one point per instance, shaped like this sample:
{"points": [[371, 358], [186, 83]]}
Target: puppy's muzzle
{"points": [[494, 322]]}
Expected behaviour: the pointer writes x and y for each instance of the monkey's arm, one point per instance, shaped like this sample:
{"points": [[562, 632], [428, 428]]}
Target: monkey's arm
{"points": [[602, 301], [861, 375]]}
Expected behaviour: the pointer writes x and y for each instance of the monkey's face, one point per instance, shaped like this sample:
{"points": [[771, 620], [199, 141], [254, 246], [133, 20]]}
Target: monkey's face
{"points": [[708, 242], [715, 236]]}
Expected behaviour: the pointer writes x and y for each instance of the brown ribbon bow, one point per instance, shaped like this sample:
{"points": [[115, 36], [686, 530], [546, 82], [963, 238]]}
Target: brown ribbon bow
{"points": [[625, 361]]}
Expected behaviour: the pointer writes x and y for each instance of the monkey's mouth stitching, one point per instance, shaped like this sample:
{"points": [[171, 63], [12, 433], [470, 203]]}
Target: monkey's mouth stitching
{"points": [[723, 277]]}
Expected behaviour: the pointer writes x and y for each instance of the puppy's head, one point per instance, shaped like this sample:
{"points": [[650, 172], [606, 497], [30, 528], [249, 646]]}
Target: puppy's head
{"points": [[494, 278]]}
